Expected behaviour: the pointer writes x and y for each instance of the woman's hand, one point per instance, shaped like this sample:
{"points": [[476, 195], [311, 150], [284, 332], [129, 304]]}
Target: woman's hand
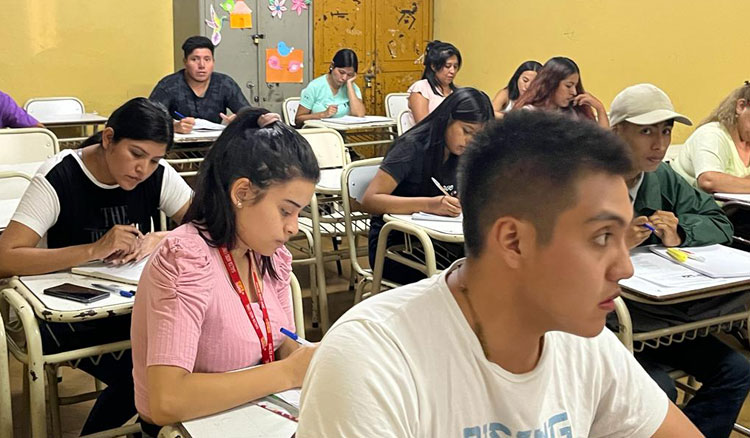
{"points": [[445, 206], [120, 239], [330, 111], [350, 81], [296, 364], [184, 126], [590, 100]]}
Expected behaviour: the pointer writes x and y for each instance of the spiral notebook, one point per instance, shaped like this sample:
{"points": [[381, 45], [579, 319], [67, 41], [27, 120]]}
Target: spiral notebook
{"points": [[129, 273]]}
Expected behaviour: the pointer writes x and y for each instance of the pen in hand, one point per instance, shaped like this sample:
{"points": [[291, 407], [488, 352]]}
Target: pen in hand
{"points": [[293, 336], [440, 186]]}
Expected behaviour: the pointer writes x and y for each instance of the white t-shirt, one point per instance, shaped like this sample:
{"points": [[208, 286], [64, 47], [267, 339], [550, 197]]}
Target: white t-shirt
{"points": [[40, 205], [405, 363], [709, 149]]}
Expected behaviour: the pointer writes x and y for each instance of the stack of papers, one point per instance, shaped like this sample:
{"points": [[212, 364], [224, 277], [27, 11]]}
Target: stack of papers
{"points": [[717, 261], [206, 125], [129, 273]]}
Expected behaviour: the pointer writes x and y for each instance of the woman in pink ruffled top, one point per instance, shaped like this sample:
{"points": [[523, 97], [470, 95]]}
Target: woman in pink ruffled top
{"points": [[216, 290]]}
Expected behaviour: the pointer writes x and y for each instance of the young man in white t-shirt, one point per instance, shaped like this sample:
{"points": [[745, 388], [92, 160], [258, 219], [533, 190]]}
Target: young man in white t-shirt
{"points": [[508, 342]]}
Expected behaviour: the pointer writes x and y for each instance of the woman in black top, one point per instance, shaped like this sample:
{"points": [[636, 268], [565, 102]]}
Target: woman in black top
{"points": [[431, 149]]}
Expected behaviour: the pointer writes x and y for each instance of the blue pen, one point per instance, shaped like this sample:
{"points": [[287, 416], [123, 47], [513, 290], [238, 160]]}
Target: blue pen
{"points": [[127, 293], [649, 227], [296, 338], [179, 115]]}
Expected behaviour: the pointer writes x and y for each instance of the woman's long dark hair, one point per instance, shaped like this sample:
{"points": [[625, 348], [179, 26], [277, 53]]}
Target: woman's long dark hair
{"points": [[435, 57], [545, 84], [513, 91], [344, 58], [138, 119], [465, 104], [266, 156]]}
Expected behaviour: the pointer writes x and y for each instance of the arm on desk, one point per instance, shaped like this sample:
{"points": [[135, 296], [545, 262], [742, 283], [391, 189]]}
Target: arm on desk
{"points": [[176, 394], [676, 424], [304, 114], [713, 182], [379, 200], [356, 107]]}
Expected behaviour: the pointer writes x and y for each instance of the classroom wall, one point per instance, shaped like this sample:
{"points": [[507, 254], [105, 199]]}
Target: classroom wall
{"points": [[695, 50], [103, 52]]}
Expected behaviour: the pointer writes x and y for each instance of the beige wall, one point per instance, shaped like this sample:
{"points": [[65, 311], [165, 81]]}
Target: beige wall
{"points": [[695, 50], [102, 51]]}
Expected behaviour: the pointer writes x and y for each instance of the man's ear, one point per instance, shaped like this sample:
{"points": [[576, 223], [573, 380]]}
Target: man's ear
{"points": [[509, 239]]}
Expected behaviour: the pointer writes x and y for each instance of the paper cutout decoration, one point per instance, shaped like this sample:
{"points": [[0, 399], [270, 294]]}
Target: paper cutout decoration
{"points": [[215, 23], [299, 5], [277, 8], [284, 64], [241, 16], [227, 5]]}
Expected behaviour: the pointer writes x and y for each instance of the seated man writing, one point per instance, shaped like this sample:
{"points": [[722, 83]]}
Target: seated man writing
{"points": [[671, 212], [508, 342]]}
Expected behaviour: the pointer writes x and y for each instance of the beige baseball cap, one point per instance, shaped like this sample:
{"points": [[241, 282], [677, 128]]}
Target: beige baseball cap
{"points": [[643, 104]]}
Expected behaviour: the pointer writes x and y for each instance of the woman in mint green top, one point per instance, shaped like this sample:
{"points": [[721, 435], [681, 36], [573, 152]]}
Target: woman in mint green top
{"points": [[716, 157], [334, 94]]}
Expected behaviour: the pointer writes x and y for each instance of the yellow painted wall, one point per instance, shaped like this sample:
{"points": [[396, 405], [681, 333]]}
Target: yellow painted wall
{"points": [[101, 51], [695, 50]]}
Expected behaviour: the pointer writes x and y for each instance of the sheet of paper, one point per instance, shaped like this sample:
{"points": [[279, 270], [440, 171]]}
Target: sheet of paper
{"points": [[207, 125], [446, 227], [351, 120], [421, 216], [290, 396], [248, 421], [129, 273], [744, 197], [719, 261]]}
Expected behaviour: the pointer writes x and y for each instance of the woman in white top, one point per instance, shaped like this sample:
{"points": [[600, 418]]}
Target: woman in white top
{"points": [[441, 64], [517, 85], [716, 157]]}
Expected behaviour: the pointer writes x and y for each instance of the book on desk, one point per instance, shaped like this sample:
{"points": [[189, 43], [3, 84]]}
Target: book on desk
{"points": [[128, 273]]}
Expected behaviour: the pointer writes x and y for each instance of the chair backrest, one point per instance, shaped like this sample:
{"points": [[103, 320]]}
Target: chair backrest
{"points": [[328, 147], [27, 145], [297, 311], [53, 106], [289, 110], [672, 152], [404, 122], [395, 103], [354, 181]]}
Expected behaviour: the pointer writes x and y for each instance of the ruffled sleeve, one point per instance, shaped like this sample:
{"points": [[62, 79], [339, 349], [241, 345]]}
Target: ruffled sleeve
{"points": [[177, 285], [282, 263]]}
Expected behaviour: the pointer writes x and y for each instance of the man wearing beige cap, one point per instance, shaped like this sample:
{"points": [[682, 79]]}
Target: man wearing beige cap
{"points": [[671, 212]]}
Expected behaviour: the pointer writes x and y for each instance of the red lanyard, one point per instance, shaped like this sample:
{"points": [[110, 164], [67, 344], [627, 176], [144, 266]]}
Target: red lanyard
{"points": [[266, 344]]}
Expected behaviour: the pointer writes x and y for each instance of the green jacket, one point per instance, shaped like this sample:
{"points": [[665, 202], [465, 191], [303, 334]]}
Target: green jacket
{"points": [[701, 220]]}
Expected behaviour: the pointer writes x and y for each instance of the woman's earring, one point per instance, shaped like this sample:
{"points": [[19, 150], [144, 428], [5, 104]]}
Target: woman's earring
{"points": [[239, 204]]}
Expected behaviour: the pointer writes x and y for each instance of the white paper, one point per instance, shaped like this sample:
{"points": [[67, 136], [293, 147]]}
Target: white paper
{"points": [[445, 227], [207, 125], [290, 396], [351, 120], [129, 273], [421, 216], [719, 261], [248, 421]]}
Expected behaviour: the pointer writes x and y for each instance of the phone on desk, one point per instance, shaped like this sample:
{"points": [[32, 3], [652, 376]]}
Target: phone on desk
{"points": [[74, 292]]}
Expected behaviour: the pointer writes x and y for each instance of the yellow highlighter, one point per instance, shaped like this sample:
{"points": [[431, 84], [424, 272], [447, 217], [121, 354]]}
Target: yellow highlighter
{"points": [[677, 254]]}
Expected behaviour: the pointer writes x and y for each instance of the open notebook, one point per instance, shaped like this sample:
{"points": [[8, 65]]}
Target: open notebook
{"points": [[207, 125], [719, 261], [248, 421], [129, 273]]}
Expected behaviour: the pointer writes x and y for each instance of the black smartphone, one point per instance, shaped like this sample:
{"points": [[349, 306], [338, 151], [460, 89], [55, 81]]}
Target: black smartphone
{"points": [[76, 293]]}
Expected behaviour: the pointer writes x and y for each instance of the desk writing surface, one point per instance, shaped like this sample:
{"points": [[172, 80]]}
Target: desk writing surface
{"points": [[197, 136], [741, 197], [36, 284], [658, 278], [453, 228], [72, 119]]}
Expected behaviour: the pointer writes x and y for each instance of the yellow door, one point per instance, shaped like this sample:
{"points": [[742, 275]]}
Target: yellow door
{"points": [[389, 37]]}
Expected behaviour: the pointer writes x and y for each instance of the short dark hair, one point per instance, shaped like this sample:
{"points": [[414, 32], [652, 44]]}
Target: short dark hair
{"points": [[266, 156], [138, 119], [526, 166], [345, 58], [197, 42], [436, 55]]}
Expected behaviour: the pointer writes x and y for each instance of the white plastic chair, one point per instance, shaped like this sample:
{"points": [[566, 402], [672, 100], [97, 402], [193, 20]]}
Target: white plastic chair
{"points": [[6, 413], [395, 103], [53, 106], [299, 316], [27, 145], [289, 110], [404, 122]]}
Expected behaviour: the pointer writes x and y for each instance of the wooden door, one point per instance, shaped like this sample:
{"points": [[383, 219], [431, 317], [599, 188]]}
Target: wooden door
{"points": [[388, 36]]}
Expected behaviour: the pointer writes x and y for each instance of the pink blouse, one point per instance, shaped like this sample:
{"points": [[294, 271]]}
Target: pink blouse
{"points": [[423, 87], [187, 314]]}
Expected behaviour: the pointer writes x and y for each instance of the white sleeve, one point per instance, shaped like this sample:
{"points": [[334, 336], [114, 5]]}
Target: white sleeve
{"points": [[707, 152], [631, 403], [358, 385], [39, 207], [175, 192]]}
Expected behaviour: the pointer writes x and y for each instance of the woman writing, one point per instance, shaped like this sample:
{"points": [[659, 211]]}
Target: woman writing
{"points": [[334, 94], [216, 291]]}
